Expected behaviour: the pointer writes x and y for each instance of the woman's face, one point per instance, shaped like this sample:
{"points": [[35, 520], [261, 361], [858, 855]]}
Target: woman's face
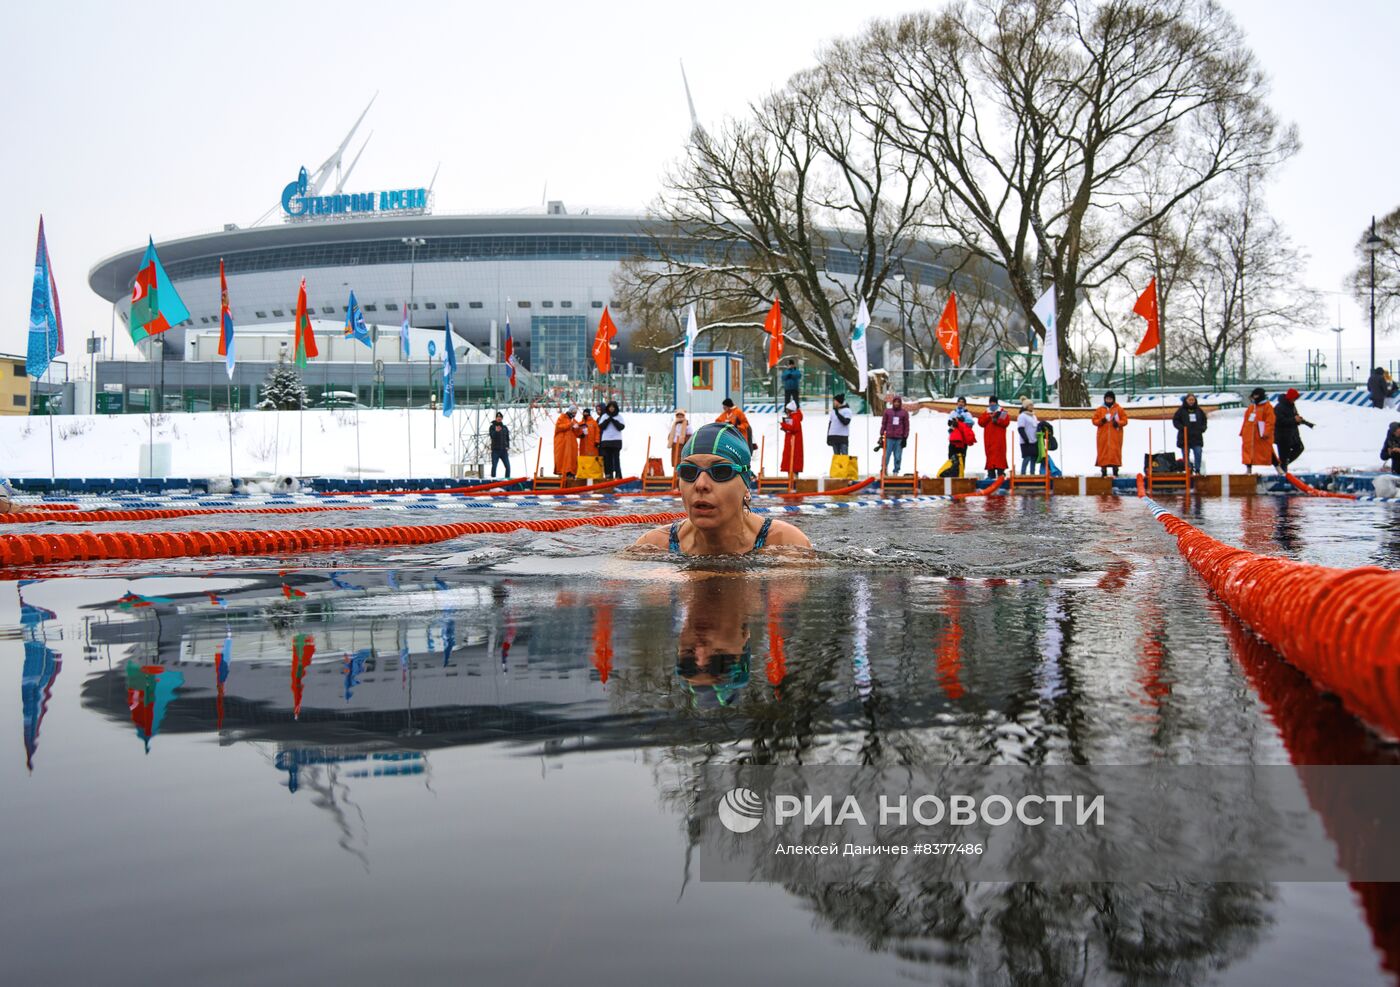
{"points": [[710, 505]]}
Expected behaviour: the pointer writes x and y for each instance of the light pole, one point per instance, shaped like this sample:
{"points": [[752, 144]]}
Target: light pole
{"points": [[1373, 246], [413, 243], [1338, 331]]}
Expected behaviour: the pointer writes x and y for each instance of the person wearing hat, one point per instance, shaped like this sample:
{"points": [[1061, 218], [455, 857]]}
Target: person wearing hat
{"points": [[610, 426], [894, 432], [566, 433], [590, 463], [1287, 439], [838, 426], [677, 436], [1028, 433], [718, 518], [994, 421], [736, 417], [1257, 432], [499, 435], [792, 440], [1110, 419], [792, 383], [1190, 422]]}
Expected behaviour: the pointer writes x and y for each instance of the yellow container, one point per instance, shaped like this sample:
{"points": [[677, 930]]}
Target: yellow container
{"points": [[845, 467], [590, 467]]}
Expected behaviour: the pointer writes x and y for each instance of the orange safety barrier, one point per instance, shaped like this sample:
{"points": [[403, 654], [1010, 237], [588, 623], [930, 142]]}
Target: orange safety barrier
{"points": [[1334, 625], [983, 493], [157, 513], [843, 491], [49, 549], [1312, 491]]}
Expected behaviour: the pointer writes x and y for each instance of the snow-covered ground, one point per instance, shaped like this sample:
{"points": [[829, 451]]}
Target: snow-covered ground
{"points": [[323, 443]]}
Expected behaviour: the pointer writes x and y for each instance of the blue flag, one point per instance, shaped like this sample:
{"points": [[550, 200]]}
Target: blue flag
{"points": [[45, 321], [355, 322], [449, 371], [403, 333]]}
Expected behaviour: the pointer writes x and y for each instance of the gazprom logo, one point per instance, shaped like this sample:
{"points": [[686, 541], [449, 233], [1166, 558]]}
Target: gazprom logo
{"points": [[296, 203], [741, 810]]}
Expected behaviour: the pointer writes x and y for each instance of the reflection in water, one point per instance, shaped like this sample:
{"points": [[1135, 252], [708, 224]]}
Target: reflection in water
{"points": [[1109, 665], [40, 669]]}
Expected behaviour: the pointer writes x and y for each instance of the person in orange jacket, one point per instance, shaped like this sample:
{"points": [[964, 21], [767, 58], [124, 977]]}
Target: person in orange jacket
{"points": [[588, 435], [792, 440], [1110, 419], [736, 417], [1257, 432], [566, 434]]}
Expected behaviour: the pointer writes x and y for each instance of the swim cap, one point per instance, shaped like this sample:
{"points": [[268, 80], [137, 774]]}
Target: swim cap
{"points": [[725, 441]]}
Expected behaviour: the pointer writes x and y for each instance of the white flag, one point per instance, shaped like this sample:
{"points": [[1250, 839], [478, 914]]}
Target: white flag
{"points": [[1045, 311], [688, 358], [858, 344]]}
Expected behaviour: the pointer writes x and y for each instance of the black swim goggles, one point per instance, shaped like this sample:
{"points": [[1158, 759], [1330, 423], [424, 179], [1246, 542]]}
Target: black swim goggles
{"points": [[719, 472]]}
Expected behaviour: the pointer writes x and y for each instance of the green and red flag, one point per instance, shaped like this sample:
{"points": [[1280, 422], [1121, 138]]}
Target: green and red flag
{"points": [[305, 338], [155, 304]]}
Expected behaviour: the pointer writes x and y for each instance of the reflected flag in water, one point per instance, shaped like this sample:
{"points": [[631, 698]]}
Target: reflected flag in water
{"points": [[354, 668], [41, 667], [449, 640], [149, 691], [340, 582], [222, 657], [292, 593], [303, 649], [948, 647], [135, 601], [602, 641]]}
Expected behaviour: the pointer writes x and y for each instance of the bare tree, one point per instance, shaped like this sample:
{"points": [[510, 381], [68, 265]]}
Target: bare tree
{"points": [[1240, 284], [776, 205], [1038, 120], [1387, 266]]}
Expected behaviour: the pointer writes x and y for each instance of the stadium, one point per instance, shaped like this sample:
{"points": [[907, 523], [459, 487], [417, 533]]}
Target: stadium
{"points": [[549, 274]]}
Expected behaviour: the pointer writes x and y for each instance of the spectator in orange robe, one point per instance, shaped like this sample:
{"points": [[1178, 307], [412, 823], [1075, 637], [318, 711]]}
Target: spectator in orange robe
{"points": [[1110, 419], [792, 440], [1257, 432], [566, 433]]}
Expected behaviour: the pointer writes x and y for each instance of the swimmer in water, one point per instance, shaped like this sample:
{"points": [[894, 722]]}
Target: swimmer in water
{"points": [[718, 520]]}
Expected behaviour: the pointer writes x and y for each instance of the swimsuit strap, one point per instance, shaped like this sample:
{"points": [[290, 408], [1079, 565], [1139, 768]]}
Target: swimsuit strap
{"points": [[762, 534], [675, 545]]}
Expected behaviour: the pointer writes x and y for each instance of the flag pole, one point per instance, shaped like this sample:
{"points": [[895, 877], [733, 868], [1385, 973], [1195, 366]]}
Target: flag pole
{"points": [[229, 392], [355, 386], [48, 372], [151, 416]]}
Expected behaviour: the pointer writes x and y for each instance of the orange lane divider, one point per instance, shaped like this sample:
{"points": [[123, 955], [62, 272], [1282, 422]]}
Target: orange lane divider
{"points": [[409, 493], [157, 513], [1334, 625], [843, 491], [556, 491], [1312, 491], [83, 546], [983, 493]]}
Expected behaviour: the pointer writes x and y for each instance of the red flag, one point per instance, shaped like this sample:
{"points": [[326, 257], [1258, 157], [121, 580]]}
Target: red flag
{"points": [[1147, 308], [773, 326], [602, 352], [305, 338], [948, 330]]}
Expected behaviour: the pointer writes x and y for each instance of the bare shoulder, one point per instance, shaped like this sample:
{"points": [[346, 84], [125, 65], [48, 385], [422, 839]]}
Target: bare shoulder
{"points": [[655, 538], [781, 533]]}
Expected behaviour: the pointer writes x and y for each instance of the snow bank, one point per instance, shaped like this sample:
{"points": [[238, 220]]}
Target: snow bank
{"points": [[323, 443]]}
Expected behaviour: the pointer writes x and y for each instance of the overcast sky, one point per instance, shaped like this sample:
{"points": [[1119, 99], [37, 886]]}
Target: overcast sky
{"points": [[173, 119]]}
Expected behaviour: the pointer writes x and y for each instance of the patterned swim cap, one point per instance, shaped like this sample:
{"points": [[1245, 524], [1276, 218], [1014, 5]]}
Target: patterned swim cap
{"points": [[725, 441]]}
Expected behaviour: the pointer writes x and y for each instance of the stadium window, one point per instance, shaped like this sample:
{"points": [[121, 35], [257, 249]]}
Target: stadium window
{"points": [[546, 304], [371, 308], [429, 305], [454, 305], [414, 306], [391, 307], [522, 304], [328, 310], [21, 400], [204, 319], [473, 304], [261, 315], [277, 313], [704, 375], [597, 304], [566, 304], [18, 368]]}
